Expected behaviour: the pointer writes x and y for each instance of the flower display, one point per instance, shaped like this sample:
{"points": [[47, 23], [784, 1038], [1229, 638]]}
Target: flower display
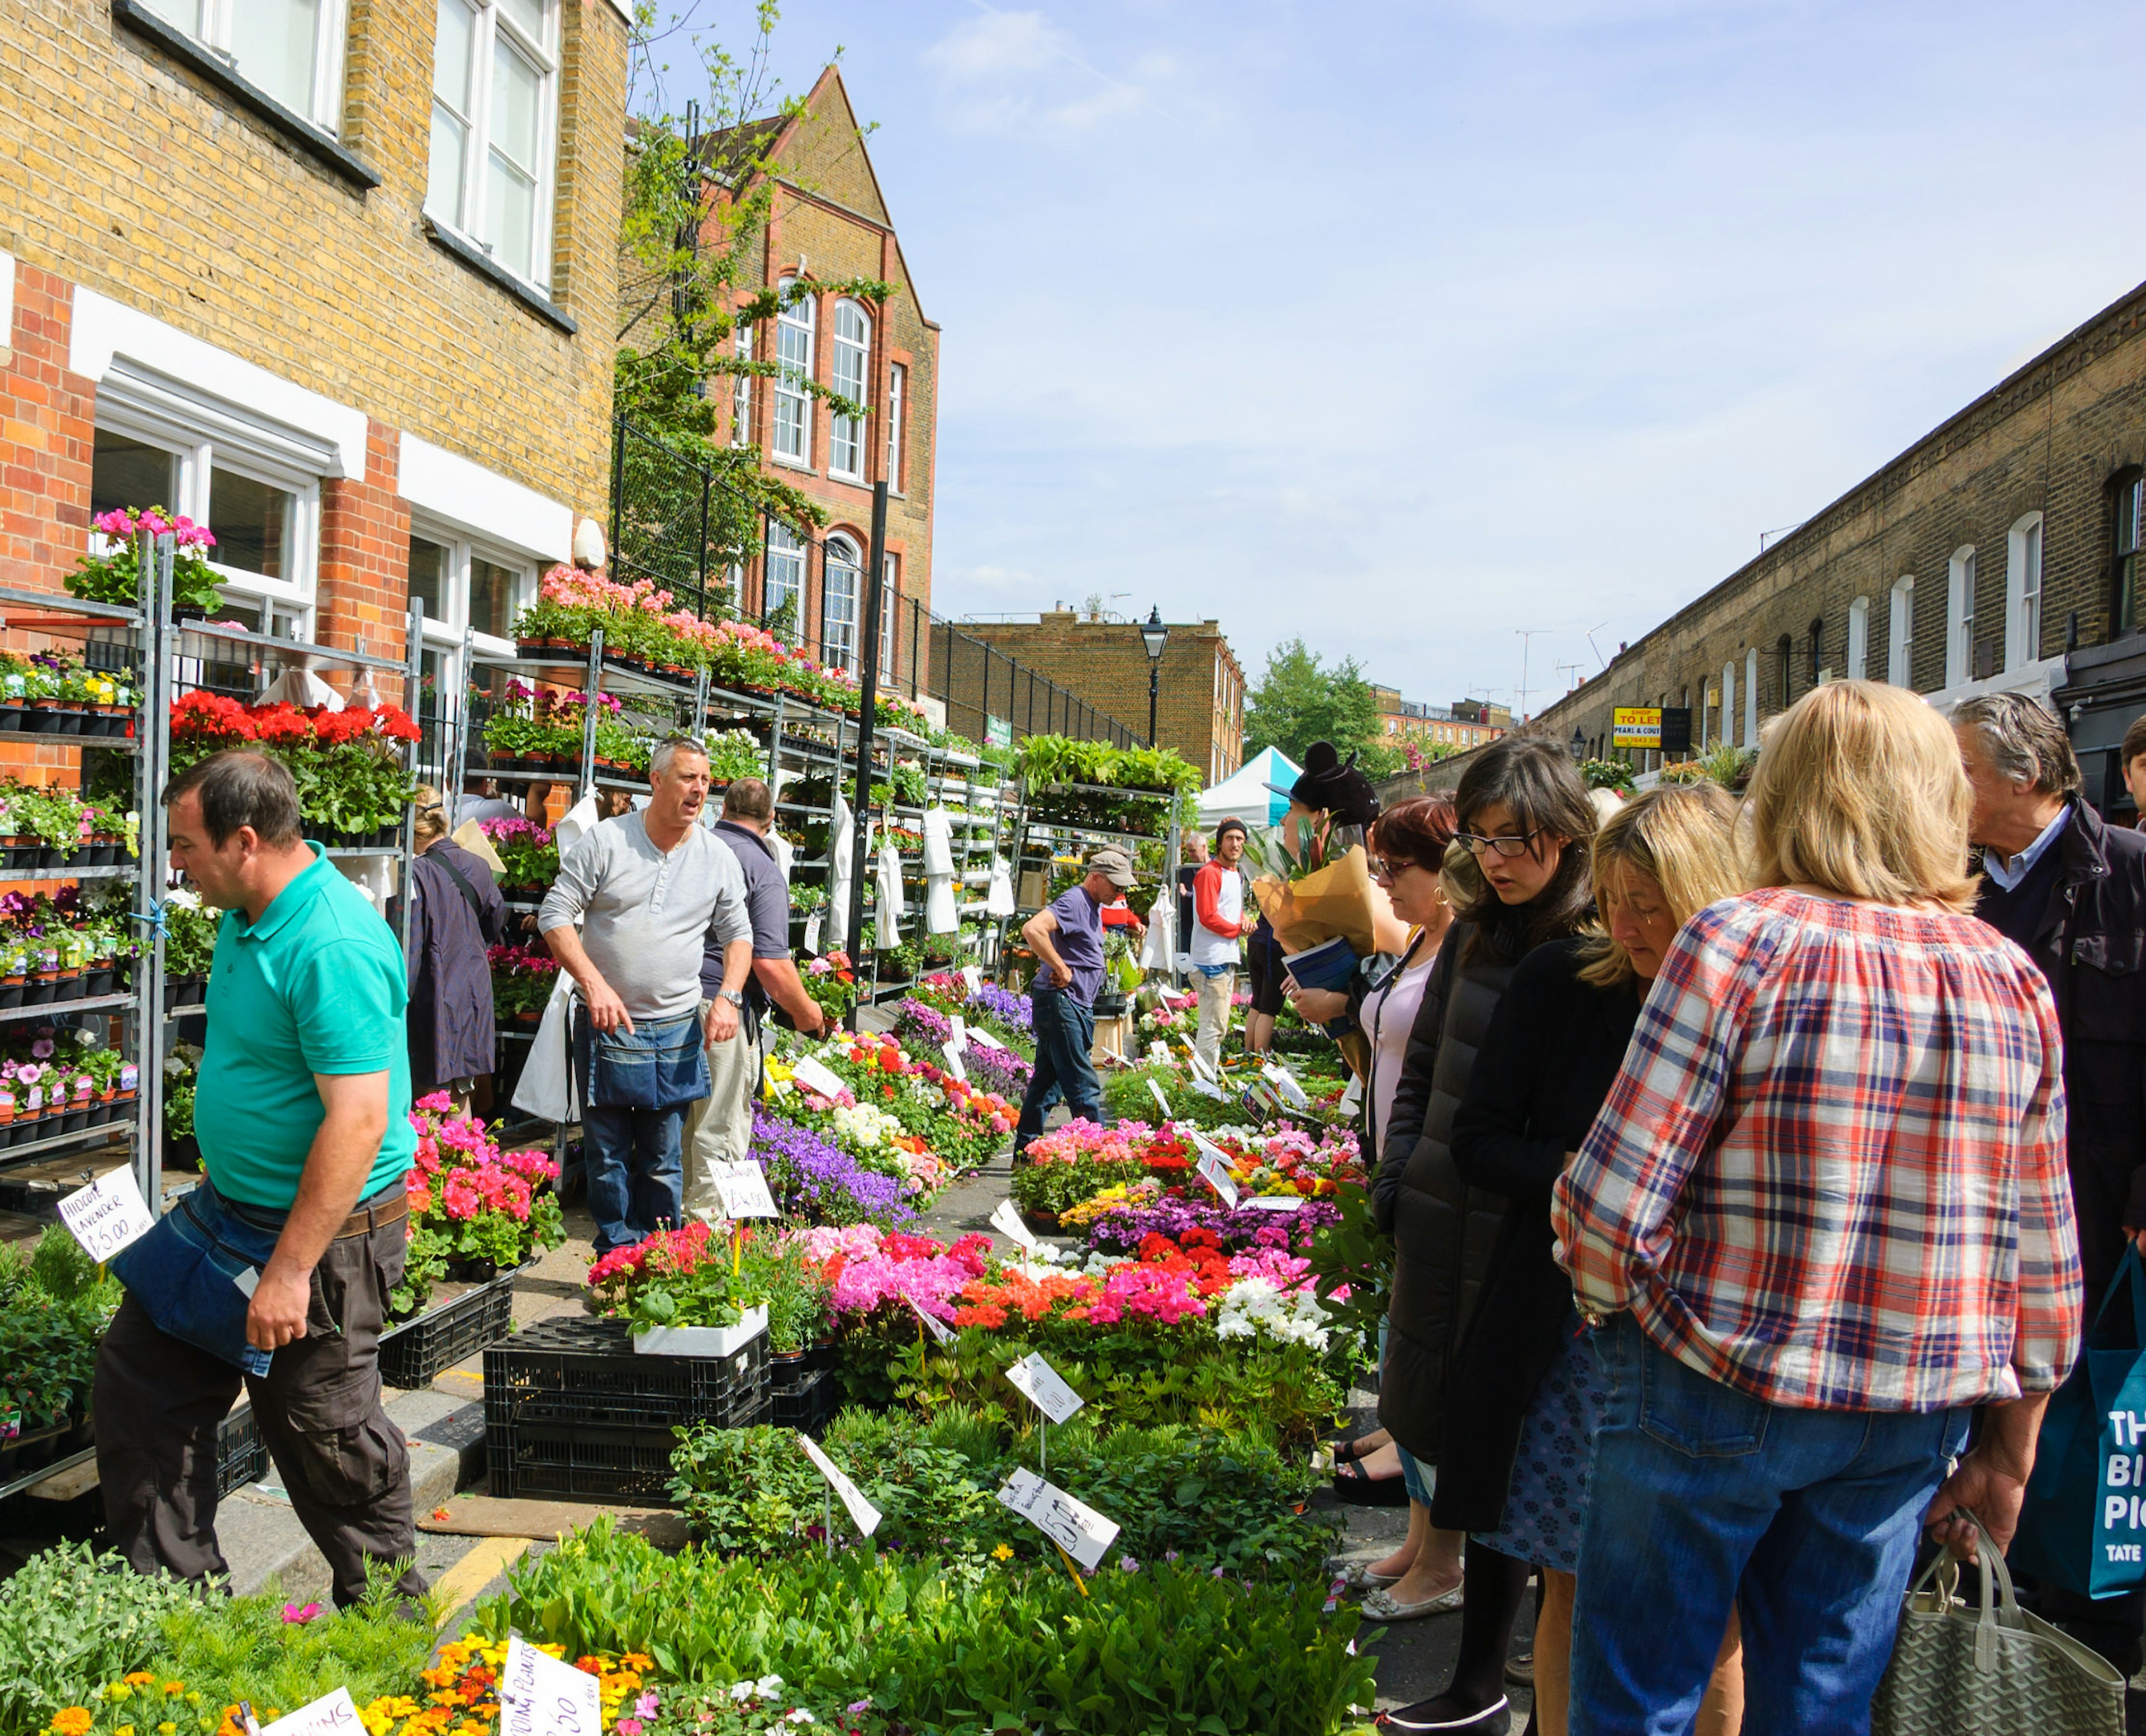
{"points": [[472, 1204], [523, 978], [115, 576], [810, 1177], [348, 765], [999, 1070], [528, 854]]}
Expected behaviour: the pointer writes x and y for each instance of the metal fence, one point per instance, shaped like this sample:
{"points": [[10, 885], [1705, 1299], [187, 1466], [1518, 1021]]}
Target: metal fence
{"points": [[677, 522]]}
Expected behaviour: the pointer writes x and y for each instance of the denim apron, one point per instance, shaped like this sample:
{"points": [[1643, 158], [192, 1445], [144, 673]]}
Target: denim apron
{"points": [[659, 1065], [185, 1273]]}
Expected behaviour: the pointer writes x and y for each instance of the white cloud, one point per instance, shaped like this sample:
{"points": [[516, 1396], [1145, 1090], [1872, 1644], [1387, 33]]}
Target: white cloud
{"points": [[1018, 73], [996, 45]]}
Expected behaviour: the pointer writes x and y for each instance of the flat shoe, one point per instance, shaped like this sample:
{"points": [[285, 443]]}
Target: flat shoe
{"points": [[1520, 1671], [1383, 1606], [1491, 1721], [1360, 1578], [1352, 1485], [1348, 1452]]}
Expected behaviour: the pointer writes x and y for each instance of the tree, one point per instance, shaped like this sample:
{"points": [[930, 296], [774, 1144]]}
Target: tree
{"points": [[1299, 700], [699, 189]]}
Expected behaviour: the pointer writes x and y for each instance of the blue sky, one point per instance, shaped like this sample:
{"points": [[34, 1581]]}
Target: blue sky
{"points": [[1403, 327]]}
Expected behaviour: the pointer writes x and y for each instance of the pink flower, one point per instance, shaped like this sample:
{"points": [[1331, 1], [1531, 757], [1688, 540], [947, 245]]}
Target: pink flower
{"points": [[43, 1049], [297, 1615]]}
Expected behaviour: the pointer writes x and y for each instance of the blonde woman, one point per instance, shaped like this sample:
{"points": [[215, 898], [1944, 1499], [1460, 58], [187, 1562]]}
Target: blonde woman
{"points": [[1823, 1215]]}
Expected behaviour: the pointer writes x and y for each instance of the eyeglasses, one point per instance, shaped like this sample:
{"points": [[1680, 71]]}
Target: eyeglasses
{"points": [[1389, 867], [1504, 846]]}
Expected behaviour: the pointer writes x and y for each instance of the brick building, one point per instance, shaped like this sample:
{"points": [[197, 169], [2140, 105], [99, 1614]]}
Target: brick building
{"points": [[1465, 724], [1200, 701], [340, 284], [828, 223], [1971, 563]]}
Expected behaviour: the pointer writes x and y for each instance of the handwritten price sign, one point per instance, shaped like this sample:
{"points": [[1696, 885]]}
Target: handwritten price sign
{"points": [[1214, 1171], [862, 1513], [1285, 1082], [815, 1076], [1043, 1387], [1073, 1525], [744, 1187], [541, 1696], [106, 1216], [332, 1715]]}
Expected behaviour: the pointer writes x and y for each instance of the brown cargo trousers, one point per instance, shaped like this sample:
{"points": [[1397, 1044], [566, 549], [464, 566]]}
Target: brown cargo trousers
{"points": [[342, 1460]]}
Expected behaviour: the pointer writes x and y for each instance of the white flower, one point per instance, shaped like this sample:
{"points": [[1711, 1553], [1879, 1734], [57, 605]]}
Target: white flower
{"points": [[798, 1715], [767, 1686], [741, 1692]]}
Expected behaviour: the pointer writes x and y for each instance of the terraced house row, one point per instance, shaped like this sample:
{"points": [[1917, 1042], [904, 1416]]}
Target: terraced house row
{"points": [[2000, 553]]}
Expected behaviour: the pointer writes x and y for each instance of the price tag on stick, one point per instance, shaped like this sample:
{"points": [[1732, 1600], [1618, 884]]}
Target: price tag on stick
{"points": [[1073, 1525], [1006, 1221], [862, 1513], [959, 1040], [1286, 1083], [940, 1332], [332, 1715], [1352, 1097], [1214, 1171], [817, 1076], [812, 935], [1208, 1088], [972, 976], [1043, 1388], [1161, 1102], [984, 1039], [953, 1054], [541, 1696], [107, 1216], [743, 1186]]}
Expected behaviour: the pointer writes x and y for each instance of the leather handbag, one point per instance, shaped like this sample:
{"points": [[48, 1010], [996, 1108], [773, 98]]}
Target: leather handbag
{"points": [[1993, 1672]]}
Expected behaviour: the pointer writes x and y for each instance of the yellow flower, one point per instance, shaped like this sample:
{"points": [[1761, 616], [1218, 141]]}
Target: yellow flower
{"points": [[166, 1729], [1004, 1552], [125, 1730]]}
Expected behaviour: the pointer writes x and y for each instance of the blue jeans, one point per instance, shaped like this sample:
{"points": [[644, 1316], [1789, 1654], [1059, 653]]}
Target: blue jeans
{"points": [[1703, 1496], [637, 1173], [1064, 1034]]}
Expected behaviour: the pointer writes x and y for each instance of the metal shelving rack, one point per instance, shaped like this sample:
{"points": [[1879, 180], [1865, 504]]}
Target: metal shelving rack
{"points": [[1027, 825]]}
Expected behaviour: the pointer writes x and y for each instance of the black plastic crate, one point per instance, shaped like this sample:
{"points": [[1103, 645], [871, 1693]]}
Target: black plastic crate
{"points": [[242, 1456], [416, 1352], [805, 1401]]}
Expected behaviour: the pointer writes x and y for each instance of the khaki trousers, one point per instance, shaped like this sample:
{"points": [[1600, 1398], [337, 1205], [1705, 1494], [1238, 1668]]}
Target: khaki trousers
{"points": [[1214, 993], [718, 1127]]}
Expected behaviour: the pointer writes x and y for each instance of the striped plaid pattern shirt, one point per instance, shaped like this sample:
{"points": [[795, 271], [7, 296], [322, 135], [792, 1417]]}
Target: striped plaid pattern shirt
{"points": [[1831, 1172]]}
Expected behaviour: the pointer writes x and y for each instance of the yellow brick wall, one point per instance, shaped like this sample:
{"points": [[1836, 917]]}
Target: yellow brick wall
{"points": [[123, 170]]}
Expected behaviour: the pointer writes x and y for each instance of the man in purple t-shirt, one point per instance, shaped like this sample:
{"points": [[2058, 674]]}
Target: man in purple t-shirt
{"points": [[1067, 939]]}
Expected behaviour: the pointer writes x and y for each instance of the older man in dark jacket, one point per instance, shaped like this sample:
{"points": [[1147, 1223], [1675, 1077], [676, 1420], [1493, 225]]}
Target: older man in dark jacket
{"points": [[2072, 892]]}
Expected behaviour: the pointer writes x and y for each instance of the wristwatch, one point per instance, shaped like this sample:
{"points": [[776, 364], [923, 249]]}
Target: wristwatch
{"points": [[735, 997]]}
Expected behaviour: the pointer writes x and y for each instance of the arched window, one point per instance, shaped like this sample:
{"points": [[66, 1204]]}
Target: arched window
{"points": [[782, 597], [1858, 638], [2023, 591], [838, 604], [1900, 633], [1959, 615], [847, 370], [793, 355]]}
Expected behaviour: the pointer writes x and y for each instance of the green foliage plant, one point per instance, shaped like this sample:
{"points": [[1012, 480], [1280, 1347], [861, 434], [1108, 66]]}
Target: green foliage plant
{"points": [[70, 1622]]}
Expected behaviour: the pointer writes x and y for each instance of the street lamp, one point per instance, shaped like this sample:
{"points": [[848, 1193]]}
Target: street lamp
{"points": [[1579, 743], [1152, 634]]}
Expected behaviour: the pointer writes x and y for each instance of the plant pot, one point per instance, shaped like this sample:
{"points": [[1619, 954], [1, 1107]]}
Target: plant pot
{"points": [[70, 986], [43, 717], [700, 1340], [40, 989], [102, 980], [73, 1121], [183, 1153], [12, 714], [11, 991]]}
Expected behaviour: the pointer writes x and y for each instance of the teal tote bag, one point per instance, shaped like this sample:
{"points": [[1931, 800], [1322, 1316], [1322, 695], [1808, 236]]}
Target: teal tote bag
{"points": [[2083, 1524]]}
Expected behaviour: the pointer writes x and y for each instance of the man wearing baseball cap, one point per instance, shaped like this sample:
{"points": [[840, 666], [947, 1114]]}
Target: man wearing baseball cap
{"points": [[1067, 939]]}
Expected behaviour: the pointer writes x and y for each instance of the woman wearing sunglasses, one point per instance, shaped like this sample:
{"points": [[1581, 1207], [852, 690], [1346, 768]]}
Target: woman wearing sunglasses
{"points": [[1525, 819]]}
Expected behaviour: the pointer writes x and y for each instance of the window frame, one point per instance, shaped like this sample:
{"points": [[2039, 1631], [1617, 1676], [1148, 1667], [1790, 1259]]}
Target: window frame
{"points": [[1900, 634], [1728, 703], [289, 602], [1751, 697], [889, 608], [792, 547], [1959, 615], [442, 636], [839, 552], [216, 26], [897, 408], [1858, 638], [787, 394], [2130, 501], [742, 430], [469, 223], [849, 434], [2023, 592]]}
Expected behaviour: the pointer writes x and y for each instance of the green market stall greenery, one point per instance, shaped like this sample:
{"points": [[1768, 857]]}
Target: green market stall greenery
{"points": [[960, 1648], [115, 576], [71, 1621], [53, 1306]]}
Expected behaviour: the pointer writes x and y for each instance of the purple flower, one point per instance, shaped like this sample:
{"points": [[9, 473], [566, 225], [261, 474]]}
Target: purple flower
{"points": [[1122, 1232], [806, 1173]]}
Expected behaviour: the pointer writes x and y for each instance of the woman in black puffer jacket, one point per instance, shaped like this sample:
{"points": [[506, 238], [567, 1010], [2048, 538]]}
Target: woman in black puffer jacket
{"points": [[1526, 819]]}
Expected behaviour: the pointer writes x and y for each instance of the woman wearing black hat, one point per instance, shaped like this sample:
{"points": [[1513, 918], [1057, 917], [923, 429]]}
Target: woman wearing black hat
{"points": [[1332, 803]]}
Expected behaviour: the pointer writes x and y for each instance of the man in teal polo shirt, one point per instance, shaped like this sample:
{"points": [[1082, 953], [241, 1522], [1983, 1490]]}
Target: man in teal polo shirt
{"points": [[302, 1112]]}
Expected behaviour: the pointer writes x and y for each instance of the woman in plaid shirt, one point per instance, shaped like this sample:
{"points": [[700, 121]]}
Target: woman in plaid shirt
{"points": [[1824, 1212]]}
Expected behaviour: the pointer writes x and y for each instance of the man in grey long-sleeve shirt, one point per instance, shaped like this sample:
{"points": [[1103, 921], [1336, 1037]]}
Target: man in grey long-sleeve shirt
{"points": [[653, 891]]}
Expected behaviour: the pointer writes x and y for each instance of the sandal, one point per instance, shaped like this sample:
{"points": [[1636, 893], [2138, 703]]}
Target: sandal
{"points": [[1352, 1485], [1383, 1605], [1348, 1452]]}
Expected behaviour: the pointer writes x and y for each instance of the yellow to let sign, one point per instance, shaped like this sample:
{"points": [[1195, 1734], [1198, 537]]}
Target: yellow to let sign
{"points": [[1635, 726]]}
